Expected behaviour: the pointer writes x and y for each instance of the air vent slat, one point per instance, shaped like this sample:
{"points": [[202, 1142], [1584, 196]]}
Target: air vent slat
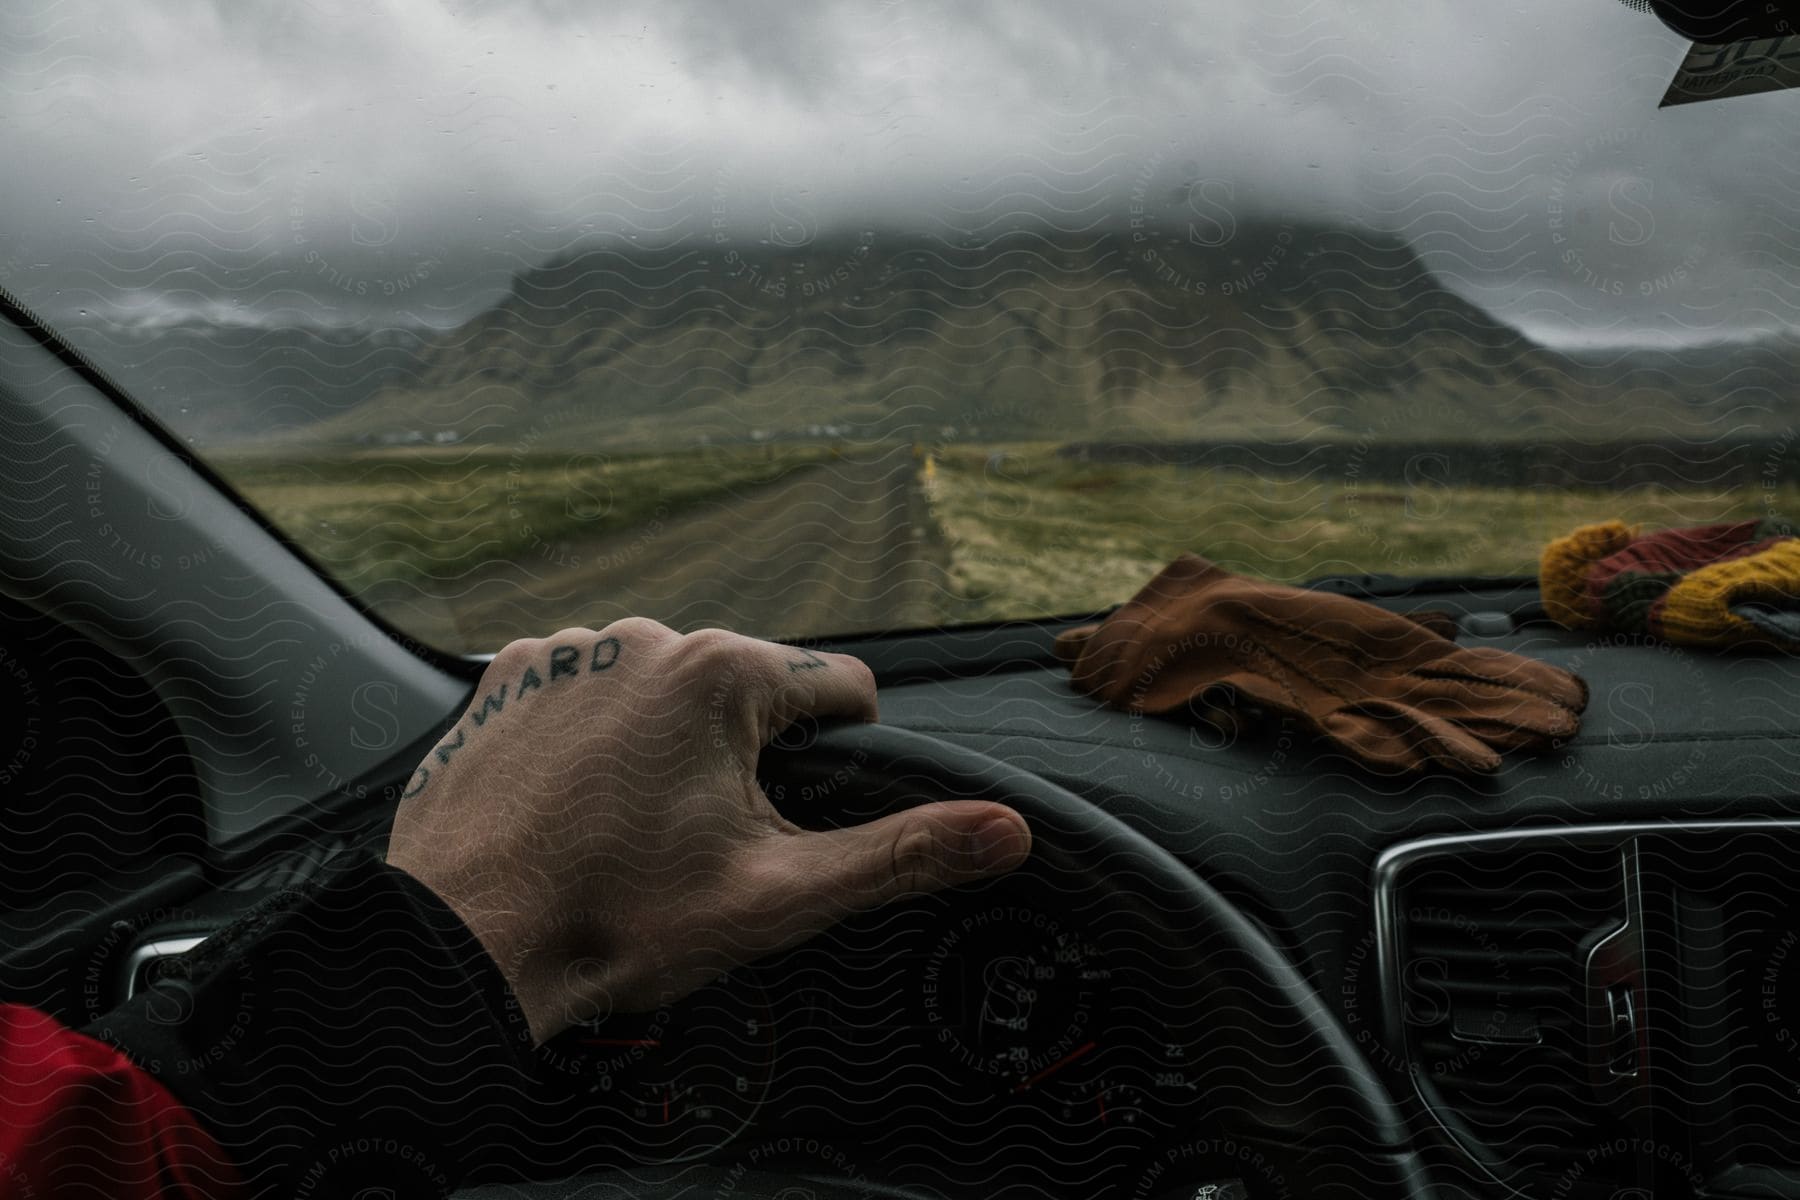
{"points": [[1550, 1116], [1499, 1064], [1515, 994], [1533, 959], [1480, 1096]]}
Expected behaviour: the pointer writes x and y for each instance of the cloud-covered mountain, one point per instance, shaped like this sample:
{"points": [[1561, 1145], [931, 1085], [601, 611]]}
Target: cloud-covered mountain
{"points": [[1273, 332]]}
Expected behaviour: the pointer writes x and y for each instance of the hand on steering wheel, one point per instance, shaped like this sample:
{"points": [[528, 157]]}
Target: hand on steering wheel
{"points": [[595, 819]]}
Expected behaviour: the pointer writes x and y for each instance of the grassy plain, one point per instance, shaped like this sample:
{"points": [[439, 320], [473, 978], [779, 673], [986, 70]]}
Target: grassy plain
{"points": [[1023, 531], [1029, 532], [418, 516]]}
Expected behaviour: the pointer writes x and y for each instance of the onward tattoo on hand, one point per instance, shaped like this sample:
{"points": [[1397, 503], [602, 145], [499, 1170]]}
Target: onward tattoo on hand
{"points": [[564, 662]]}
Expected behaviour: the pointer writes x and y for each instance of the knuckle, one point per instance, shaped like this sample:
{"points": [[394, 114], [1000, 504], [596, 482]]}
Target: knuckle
{"points": [[725, 659], [513, 653], [913, 857], [716, 648], [858, 670], [636, 629]]}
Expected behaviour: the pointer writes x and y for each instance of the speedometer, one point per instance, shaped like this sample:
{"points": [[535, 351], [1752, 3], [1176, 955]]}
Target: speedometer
{"points": [[1013, 995]]}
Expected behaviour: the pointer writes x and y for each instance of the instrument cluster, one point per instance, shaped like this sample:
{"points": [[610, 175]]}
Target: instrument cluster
{"points": [[1011, 1033]]}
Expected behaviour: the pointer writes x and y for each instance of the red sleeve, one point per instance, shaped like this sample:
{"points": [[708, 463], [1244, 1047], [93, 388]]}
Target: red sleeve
{"points": [[79, 1119]]}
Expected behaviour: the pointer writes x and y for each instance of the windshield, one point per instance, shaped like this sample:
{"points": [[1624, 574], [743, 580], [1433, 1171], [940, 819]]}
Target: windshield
{"points": [[816, 318]]}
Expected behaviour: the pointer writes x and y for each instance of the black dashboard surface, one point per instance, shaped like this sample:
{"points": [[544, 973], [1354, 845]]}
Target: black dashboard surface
{"points": [[1292, 831]]}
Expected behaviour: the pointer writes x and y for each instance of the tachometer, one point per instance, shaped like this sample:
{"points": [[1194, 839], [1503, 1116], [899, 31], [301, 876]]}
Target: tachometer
{"points": [[1106, 1101], [681, 1082]]}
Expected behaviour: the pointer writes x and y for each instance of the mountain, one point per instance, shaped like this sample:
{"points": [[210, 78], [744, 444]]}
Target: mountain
{"points": [[1274, 332], [217, 383]]}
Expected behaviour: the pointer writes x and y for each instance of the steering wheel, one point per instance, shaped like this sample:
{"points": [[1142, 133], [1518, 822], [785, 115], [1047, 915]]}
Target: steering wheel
{"points": [[1275, 1060]]}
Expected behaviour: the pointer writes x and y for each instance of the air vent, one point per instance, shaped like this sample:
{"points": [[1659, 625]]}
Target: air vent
{"points": [[141, 968], [1513, 992], [281, 872]]}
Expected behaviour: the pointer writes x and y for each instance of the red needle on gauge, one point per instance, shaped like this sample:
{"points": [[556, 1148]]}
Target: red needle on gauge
{"points": [[1056, 1066]]}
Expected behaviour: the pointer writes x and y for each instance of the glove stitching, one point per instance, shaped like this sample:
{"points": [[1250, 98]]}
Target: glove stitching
{"points": [[1434, 748], [1278, 678], [1427, 753], [1373, 664], [1314, 723], [1476, 681], [1322, 684], [1301, 632]]}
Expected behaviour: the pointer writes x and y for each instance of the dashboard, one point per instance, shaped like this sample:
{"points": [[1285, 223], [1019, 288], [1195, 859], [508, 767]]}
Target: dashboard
{"points": [[1576, 977], [900, 1040]]}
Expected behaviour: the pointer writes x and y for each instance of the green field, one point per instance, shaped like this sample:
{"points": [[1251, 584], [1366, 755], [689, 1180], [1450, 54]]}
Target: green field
{"points": [[1016, 530], [1030, 532], [416, 516]]}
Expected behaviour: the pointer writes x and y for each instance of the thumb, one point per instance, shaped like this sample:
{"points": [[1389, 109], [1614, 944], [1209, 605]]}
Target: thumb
{"points": [[921, 850], [1070, 643]]}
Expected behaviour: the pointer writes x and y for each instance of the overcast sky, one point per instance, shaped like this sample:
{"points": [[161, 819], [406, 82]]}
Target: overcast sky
{"points": [[397, 160]]}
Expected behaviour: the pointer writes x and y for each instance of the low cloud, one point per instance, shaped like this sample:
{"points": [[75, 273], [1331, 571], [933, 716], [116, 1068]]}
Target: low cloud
{"points": [[343, 161]]}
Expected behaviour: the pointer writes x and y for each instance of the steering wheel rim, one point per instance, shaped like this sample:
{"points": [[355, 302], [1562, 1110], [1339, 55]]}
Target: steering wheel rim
{"points": [[1311, 1086]]}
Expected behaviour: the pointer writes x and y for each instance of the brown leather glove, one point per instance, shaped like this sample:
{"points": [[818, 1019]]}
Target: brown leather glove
{"points": [[1385, 688]]}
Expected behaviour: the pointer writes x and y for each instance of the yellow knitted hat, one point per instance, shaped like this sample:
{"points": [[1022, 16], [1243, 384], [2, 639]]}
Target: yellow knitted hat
{"points": [[1563, 570], [1697, 609]]}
